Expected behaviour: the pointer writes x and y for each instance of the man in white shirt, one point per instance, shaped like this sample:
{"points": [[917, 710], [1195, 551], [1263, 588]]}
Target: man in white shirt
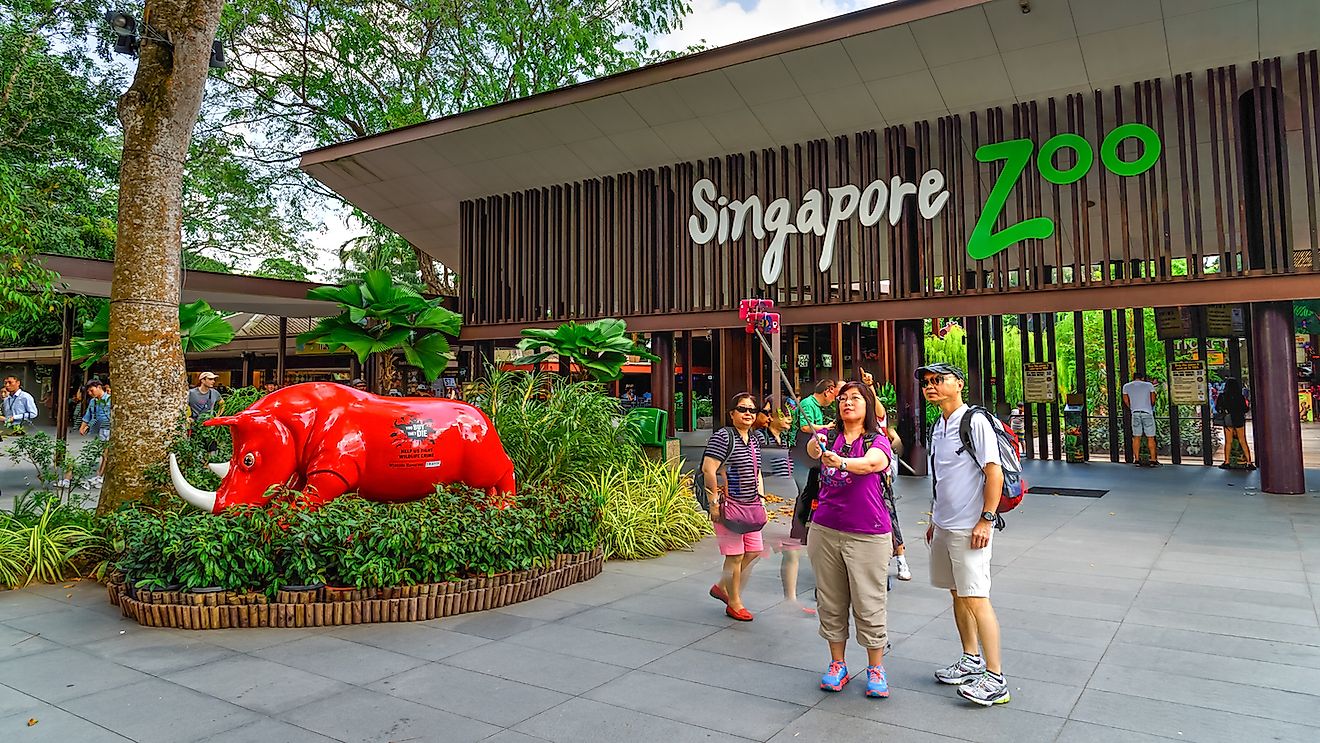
{"points": [[1139, 397], [962, 524], [19, 407]]}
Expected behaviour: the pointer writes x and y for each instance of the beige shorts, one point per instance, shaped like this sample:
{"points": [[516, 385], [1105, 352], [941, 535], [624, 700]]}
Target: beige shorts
{"points": [[956, 566]]}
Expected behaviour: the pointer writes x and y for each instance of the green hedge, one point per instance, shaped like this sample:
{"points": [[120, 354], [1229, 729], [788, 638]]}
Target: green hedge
{"points": [[450, 535]]}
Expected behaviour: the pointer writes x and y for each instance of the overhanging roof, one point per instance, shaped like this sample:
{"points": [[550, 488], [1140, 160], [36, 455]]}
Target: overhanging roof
{"points": [[901, 62], [221, 290]]}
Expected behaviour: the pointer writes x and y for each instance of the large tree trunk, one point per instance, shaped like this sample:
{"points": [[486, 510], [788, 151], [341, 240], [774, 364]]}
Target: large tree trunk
{"points": [[158, 114]]}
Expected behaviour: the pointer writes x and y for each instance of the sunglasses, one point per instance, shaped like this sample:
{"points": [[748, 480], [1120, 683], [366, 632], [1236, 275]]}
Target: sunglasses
{"points": [[746, 409], [935, 381]]}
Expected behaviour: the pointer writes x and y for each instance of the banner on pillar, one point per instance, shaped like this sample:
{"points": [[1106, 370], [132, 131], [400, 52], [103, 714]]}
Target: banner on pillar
{"points": [[1039, 382], [1188, 383]]}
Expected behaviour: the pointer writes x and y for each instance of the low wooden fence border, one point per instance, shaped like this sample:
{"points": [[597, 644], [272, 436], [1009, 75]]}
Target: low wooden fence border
{"points": [[328, 607]]}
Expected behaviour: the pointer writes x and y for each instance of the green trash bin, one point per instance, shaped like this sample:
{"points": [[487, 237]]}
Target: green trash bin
{"points": [[651, 425]]}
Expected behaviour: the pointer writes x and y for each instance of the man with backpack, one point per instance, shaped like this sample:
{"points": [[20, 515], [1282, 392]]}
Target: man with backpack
{"points": [[965, 458]]}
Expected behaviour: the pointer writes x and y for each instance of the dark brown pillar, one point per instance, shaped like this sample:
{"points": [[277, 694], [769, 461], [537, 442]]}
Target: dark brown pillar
{"points": [[975, 390], [66, 374], [854, 335], [908, 354], [689, 364], [837, 371], [247, 370], [662, 376], [733, 369], [1275, 412], [280, 351]]}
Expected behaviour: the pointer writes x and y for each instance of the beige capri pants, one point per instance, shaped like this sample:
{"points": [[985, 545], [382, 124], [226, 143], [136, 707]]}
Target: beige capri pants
{"points": [[852, 572]]}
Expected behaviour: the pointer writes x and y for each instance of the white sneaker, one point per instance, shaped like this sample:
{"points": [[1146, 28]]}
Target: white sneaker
{"points": [[62, 483], [904, 572], [97, 481]]}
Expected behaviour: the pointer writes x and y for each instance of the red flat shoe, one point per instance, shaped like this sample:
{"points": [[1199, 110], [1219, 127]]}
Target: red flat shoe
{"points": [[718, 593], [742, 615]]}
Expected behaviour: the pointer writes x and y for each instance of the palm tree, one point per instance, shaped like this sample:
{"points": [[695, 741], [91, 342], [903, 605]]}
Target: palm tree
{"points": [[200, 329], [600, 348]]}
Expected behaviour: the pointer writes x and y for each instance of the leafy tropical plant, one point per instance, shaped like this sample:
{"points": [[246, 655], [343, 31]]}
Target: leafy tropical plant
{"points": [[200, 328], [57, 470], [649, 509], [42, 539], [380, 316], [554, 430], [599, 348]]}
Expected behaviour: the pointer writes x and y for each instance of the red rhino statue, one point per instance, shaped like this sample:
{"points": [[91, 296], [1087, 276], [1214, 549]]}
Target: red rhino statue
{"points": [[326, 439]]}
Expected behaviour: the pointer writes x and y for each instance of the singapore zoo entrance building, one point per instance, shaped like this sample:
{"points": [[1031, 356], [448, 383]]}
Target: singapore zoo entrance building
{"points": [[1109, 172]]}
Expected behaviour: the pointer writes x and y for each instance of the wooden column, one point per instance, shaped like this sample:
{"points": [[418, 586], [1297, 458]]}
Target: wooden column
{"points": [[911, 414], [689, 366], [837, 371], [662, 376], [975, 390], [65, 375], [1080, 371], [855, 349], [247, 369], [280, 351], [1274, 409]]}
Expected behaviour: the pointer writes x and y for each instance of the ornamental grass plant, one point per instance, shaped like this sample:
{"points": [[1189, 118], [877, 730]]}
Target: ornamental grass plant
{"points": [[649, 509], [44, 540]]}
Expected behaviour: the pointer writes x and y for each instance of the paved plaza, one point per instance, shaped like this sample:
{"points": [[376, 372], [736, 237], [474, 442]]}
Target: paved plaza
{"points": [[1182, 605]]}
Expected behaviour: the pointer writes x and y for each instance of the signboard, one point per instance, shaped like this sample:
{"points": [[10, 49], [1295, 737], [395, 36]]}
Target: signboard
{"points": [[804, 361], [826, 361], [1038, 382], [1175, 322], [1225, 321], [311, 349], [1187, 383], [1216, 358]]}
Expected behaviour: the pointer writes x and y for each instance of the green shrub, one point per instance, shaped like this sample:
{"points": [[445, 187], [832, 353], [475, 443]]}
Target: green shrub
{"points": [[42, 539], [649, 509], [555, 431], [452, 534]]}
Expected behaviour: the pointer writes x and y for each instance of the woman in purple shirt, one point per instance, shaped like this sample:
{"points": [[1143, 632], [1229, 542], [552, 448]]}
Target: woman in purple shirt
{"points": [[849, 542]]}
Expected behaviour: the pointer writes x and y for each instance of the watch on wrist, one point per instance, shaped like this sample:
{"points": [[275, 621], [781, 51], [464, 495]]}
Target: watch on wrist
{"points": [[843, 464], [988, 516]]}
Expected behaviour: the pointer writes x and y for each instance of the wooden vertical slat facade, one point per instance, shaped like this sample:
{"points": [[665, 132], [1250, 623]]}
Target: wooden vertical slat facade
{"points": [[619, 245]]}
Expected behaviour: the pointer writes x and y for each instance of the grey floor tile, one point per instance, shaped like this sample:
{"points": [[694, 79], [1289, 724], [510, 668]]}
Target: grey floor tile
{"points": [[1271, 651], [492, 625], [818, 725], [257, 684], [57, 675], [725, 709], [512, 736], [1303, 617], [22, 603], [1252, 627], [83, 592], [53, 725], [542, 668], [255, 638], [605, 588], [1075, 731], [336, 658], [946, 714], [1013, 637], [410, 638], [15, 643], [1063, 607], [267, 730], [592, 645], [1233, 584], [794, 685], [1183, 722], [698, 609], [1057, 590], [14, 702], [70, 625], [1047, 574], [143, 711], [583, 719], [545, 608], [1029, 695], [1206, 665], [490, 699], [362, 715], [639, 625], [158, 651], [656, 569], [936, 652], [802, 649], [1226, 694], [1259, 596]]}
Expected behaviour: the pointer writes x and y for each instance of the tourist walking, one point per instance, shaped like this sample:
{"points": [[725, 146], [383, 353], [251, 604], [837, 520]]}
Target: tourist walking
{"points": [[1139, 397], [19, 408], [205, 399], [961, 530], [900, 552], [775, 444], [96, 421], [849, 543], [731, 473], [1231, 408]]}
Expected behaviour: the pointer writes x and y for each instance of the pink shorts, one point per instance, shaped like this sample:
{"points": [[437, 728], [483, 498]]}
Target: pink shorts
{"points": [[733, 543]]}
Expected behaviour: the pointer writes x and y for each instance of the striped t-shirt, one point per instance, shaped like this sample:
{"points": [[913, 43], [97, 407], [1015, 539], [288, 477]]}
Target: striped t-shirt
{"points": [[778, 464], [741, 463]]}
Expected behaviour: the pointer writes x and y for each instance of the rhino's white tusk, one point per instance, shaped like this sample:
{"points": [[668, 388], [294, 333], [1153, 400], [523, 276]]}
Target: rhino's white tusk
{"points": [[220, 468], [203, 499]]}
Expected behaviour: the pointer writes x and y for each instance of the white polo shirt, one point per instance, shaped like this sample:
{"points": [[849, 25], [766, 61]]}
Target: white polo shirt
{"points": [[960, 483], [1139, 392]]}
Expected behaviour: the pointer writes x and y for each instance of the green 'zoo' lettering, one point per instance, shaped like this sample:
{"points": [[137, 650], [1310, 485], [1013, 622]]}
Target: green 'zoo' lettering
{"points": [[1016, 154]]}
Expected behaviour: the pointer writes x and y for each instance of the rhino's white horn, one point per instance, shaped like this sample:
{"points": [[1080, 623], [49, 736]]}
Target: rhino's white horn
{"points": [[203, 499], [220, 468]]}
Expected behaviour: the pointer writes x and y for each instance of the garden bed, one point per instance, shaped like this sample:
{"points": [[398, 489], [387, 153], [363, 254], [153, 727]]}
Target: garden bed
{"points": [[323, 607]]}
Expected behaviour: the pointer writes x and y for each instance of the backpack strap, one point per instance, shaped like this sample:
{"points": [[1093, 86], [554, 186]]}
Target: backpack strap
{"points": [[965, 431]]}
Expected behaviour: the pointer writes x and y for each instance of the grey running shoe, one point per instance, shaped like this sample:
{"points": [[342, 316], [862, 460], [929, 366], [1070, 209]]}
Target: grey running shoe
{"points": [[985, 690], [968, 668]]}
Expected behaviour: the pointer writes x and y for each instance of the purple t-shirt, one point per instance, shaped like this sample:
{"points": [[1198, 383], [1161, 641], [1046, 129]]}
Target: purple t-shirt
{"points": [[851, 502]]}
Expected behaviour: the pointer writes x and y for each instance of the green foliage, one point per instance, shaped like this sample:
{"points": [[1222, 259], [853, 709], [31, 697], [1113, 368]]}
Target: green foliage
{"points": [[600, 348], [554, 430], [195, 444], [200, 328], [42, 539], [452, 534], [649, 509], [381, 316], [41, 451]]}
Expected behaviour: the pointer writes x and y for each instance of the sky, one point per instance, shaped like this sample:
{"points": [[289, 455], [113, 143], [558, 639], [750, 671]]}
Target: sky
{"points": [[711, 23]]}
